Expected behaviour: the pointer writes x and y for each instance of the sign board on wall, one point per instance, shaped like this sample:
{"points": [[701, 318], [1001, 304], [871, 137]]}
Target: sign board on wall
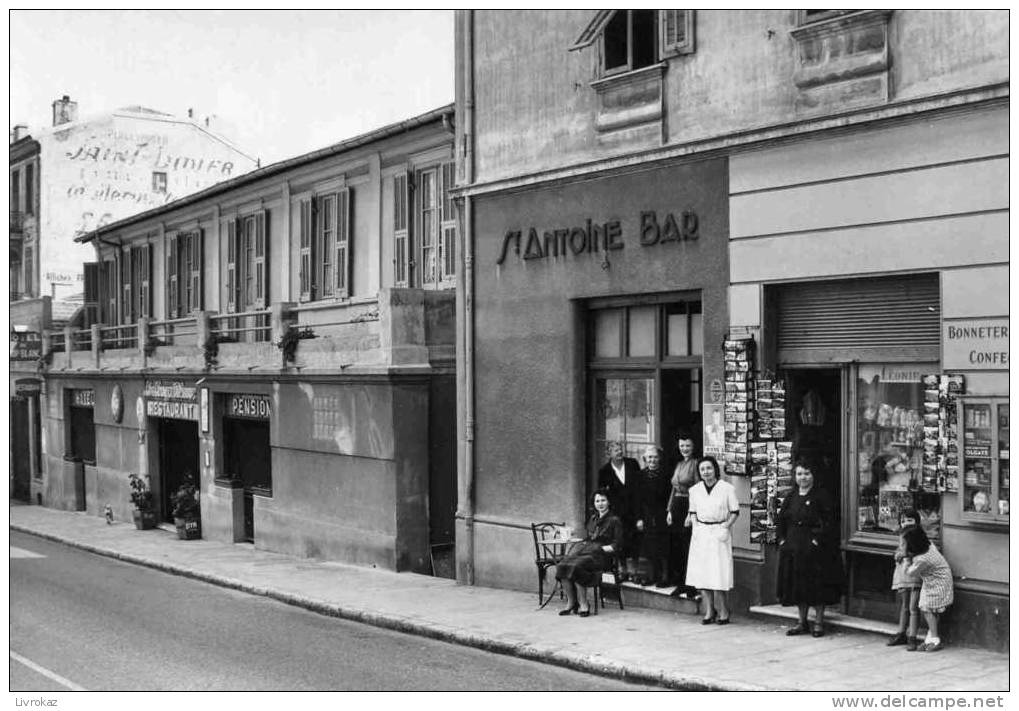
{"points": [[172, 399], [252, 407], [975, 344], [26, 345], [83, 398]]}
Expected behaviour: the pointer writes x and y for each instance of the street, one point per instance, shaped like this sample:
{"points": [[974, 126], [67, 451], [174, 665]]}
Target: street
{"points": [[86, 622]]}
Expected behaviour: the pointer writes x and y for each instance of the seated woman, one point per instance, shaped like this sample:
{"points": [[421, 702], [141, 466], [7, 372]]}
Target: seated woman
{"points": [[584, 563]]}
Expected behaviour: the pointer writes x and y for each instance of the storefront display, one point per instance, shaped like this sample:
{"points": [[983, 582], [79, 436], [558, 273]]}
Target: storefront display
{"points": [[770, 408], [984, 486], [739, 415], [771, 479]]}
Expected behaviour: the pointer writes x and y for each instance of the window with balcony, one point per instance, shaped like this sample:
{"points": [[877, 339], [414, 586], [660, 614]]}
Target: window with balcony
{"points": [[424, 228], [135, 283], [184, 251], [325, 246], [247, 273]]}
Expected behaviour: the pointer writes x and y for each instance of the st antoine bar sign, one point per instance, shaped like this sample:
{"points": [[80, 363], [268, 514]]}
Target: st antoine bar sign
{"points": [[653, 228]]}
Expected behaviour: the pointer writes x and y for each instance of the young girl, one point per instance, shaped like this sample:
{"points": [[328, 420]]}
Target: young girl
{"points": [[936, 592], [906, 587]]}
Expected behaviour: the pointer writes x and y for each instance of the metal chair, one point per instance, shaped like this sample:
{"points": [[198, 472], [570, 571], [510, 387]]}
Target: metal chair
{"points": [[599, 593], [543, 557]]}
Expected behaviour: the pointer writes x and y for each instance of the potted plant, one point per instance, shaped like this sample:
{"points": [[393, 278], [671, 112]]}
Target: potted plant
{"points": [[186, 510], [144, 506]]}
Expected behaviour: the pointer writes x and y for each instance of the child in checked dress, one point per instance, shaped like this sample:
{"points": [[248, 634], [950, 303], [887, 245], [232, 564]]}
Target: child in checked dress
{"points": [[906, 587], [936, 592]]}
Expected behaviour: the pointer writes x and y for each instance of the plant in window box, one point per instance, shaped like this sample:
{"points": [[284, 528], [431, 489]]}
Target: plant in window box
{"points": [[144, 513], [186, 510]]}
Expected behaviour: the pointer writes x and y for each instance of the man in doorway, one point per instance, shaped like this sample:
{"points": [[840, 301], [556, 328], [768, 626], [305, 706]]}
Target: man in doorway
{"points": [[620, 476]]}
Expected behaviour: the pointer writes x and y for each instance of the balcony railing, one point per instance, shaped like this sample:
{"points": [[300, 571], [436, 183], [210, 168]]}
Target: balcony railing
{"points": [[81, 340], [173, 332], [247, 327], [116, 337]]}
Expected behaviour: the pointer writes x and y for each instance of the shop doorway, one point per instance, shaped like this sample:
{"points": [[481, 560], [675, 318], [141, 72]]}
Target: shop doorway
{"points": [[248, 457], [681, 411], [21, 455], [178, 459], [814, 424]]}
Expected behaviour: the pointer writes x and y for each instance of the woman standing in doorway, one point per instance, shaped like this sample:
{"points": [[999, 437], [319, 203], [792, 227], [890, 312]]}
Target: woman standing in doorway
{"points": [[713, 511], [684, 476], [809, 567]]}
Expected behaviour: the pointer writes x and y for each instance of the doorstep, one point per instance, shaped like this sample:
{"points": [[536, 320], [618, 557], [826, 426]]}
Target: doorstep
{"points": [[834, 619], [650, 597]]}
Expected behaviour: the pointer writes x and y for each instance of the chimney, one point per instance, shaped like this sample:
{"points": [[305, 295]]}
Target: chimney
{"points": [[19, 132], [64, 110], [191, 113]]}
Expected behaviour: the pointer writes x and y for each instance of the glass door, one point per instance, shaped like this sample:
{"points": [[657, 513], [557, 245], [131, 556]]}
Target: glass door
{"points": [[624, 411]]}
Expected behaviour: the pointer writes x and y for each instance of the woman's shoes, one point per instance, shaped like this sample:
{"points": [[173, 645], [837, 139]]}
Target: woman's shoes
{"points": [[584, 613], [710, 620], [895, 641], [797, 630], [818, 631], [723, 622], [912, 643], [569, 611]]}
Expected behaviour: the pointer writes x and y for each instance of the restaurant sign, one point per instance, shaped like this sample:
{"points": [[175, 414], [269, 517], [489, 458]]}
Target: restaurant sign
{"points": [[26, 345], [172, 399], [252, 407]]}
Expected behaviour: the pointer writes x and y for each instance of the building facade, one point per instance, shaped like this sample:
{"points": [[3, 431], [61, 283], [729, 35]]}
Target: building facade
{"points": [[284, 339], [98, 169], [648, 193]]}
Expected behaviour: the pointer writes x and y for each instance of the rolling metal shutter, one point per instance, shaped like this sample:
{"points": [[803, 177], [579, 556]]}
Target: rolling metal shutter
{"points": [[888, 318]]}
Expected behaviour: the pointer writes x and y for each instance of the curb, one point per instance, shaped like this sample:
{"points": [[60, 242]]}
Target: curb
{"points": [[523, 650]]}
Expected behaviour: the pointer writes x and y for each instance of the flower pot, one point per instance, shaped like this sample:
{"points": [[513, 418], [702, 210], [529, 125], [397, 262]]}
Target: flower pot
{"points": [[144, 520], [188, 529]]}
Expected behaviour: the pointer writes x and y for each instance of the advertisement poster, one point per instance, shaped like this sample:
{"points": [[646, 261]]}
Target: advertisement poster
{"points": [[714, 430]]}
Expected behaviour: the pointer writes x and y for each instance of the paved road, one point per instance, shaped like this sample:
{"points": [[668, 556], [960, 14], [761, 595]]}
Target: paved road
{"points": [[85, 621]]}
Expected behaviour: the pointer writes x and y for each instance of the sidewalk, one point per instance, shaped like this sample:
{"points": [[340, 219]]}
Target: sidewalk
{"points": [[648, 646]]}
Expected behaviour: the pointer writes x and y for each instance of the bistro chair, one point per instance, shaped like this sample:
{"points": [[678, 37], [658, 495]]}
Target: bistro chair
{"points": [[599, 587], [544, 555]]}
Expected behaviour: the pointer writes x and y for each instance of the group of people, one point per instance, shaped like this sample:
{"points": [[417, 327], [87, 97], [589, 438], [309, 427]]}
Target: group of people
{"points": [[664, 531], [658, 530]]}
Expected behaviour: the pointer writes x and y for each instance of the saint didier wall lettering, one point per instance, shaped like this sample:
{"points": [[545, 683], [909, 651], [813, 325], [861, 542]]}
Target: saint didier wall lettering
{"points": [[604, 237]]}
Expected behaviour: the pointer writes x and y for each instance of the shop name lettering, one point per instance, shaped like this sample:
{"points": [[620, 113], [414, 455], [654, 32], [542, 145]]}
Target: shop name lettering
{"points": [[170, 391], [250, 406], [606, 237], [172, 409], [982, 333]]}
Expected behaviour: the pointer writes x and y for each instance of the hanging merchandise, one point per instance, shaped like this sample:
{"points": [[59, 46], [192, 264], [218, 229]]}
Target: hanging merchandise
{"points": [[771, 480], [940, 432], [739, 414], [770, 408]]}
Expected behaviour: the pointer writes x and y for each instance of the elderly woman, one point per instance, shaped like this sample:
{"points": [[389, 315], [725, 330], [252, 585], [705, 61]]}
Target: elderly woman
{"points": [[653, 497], [586, 560], [809, 563], [713, 511]]}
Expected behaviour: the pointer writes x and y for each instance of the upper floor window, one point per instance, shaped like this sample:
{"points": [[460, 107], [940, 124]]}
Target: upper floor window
{"points": [[30, 189], [15, 191], [424, 228], [184, 273], [135, 283], [325, 246], [247, 264], [159, 182], [633, 39]]}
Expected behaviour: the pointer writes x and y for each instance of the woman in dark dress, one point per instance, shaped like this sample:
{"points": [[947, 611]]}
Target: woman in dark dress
{"points": [[809, 562], [588, 559], [653, 494]]}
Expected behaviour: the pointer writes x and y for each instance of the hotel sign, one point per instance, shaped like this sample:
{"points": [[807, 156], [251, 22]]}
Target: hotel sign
{"points": [[26, 345], [171, 399], [975, 344], [252, 407]]}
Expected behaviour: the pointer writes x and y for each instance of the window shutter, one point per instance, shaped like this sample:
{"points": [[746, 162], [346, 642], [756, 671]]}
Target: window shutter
{"points": [[261, 261], [172, 284], [126, 312], [343, 216], [401, 230], [91, 293], [145, 279], [231, 266], [675, 32], [447, 232], [197, 242], [305, 249], [325, 242], [109, 285]]}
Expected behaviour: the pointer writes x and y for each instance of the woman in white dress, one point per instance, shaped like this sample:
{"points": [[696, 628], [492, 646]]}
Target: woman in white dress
{"points": [[713, 511]]}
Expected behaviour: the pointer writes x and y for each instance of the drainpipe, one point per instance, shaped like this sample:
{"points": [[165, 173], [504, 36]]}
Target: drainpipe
{"points": [[465, 308]]}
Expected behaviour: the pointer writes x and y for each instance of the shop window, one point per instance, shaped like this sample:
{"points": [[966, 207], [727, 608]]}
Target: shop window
{"points": [[325, 243], [984, 484], [890, 448], [641, 331]]}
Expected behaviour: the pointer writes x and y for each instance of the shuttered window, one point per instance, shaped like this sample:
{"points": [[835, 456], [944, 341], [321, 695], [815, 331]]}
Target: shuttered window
{"points": [[343, 272], [91, 293], [126, 311], [881, 319], [676, 28], [172, 282], [232, 236], [447, 237], [306, 241], [401, 230]]}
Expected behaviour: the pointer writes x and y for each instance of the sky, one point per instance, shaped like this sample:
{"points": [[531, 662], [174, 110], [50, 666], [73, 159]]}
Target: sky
{"points": [[278, 83]]}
